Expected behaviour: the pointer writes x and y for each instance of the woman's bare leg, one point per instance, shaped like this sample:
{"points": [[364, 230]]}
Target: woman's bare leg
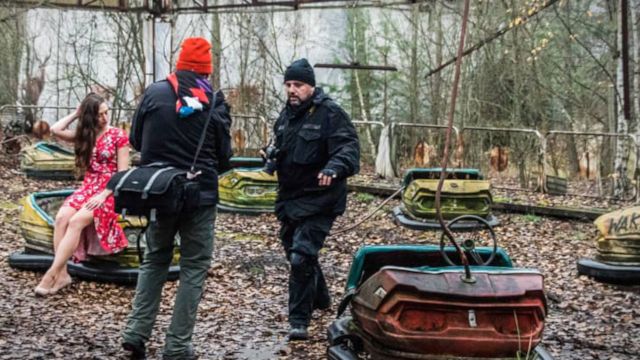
{"points": [[62, 221], [59, 229], [66, 247]]}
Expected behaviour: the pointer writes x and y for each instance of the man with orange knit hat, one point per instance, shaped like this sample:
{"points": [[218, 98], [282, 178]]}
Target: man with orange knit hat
{"points": [[166, 128]]}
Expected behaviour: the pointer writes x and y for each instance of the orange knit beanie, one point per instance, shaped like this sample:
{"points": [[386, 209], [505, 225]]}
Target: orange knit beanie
{"points": [[195, 56]]}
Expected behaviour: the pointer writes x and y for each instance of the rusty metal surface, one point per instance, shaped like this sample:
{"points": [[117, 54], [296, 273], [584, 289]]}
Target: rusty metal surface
{"points": [[437, 314]]}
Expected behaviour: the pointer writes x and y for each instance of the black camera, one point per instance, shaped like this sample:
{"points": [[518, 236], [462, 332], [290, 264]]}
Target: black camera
{"points": [[271, 152], [271, 156]]}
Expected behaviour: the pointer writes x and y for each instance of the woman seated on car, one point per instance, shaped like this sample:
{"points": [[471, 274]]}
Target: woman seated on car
{"points": [[87, 220]]}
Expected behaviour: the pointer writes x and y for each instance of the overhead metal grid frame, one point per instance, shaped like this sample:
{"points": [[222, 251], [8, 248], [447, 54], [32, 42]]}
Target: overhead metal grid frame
{"points": [[162, 7]]}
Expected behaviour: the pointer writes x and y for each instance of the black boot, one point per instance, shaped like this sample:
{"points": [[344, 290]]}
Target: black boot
{"points": [[298, 332], [189, 354], [138, 352]]}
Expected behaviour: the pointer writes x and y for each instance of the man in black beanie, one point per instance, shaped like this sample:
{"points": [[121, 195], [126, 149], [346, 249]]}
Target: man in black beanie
{"points": [[316, 149]]}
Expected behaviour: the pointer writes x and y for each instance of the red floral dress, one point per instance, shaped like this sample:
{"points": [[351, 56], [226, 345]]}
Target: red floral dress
{"points": [[102, 166]]}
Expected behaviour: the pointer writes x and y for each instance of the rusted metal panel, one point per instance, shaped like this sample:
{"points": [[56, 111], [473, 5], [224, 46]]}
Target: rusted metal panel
{"points": [[422, 312]]}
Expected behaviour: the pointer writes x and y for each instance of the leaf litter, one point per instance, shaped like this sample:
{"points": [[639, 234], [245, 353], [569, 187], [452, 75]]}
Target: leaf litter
{"points": [[243, 312]]}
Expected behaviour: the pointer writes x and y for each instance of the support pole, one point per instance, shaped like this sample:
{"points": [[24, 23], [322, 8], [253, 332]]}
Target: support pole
{"points": [[157, 33]]}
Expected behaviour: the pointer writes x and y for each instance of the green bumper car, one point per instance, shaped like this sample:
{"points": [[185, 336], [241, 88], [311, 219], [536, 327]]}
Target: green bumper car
{"points": [[36, 223], [47, 160], [464, 192], [246, 189]]}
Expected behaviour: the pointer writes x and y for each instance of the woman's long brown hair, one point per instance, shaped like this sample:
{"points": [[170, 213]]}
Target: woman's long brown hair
{"points": [[87, 130]]}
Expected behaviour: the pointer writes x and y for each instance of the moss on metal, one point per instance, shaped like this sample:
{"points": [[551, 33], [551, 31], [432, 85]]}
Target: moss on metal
{"points": [[247, 188]]}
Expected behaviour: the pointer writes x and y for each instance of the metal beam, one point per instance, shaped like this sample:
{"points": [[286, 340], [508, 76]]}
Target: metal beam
{"points": [[99, 5], [357, 66], [162, 7]]}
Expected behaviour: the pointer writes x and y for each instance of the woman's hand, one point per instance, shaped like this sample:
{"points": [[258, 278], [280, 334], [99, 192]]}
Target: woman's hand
{"points": [[95, 202]]}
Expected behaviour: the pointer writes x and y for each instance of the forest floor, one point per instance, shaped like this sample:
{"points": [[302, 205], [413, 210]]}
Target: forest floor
{"points": [[243, 314]]}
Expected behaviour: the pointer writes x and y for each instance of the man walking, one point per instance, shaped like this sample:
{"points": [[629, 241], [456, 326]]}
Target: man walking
{"points": [[316, 148], [166, 128]]}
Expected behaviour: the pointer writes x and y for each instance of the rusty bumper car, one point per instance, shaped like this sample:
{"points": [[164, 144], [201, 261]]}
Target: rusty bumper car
{"points": [[36, 223], [415, 302], [48, 160], [464, 192], [246, 189], [617, 260]]}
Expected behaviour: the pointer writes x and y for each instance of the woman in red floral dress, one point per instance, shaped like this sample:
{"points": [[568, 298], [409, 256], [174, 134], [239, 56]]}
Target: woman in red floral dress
{"points": [[87, 217]]}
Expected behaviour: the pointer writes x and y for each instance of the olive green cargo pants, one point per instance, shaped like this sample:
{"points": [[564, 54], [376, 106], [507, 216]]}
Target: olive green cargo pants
{"points": [[196, 231]]}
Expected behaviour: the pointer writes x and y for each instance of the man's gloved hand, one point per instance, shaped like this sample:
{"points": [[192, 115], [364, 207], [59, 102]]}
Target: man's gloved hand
{"points": [[269, 167], [326, 176], [269, 154]]}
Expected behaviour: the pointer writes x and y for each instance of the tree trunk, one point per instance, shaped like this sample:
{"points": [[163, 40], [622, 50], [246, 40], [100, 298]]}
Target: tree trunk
{"points": [[635, 28], [436, 79], [621, 182], [518, 154], [359, 91], [385, 93], [607, 150], [216, 47], [570, 68], [414, 101]]}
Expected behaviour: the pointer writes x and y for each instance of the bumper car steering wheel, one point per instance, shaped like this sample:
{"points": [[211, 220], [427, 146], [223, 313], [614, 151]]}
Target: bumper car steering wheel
{"points": [[469, 241]]}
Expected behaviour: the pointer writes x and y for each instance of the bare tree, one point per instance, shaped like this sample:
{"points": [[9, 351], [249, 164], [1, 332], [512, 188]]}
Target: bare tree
{"points": [[11, 50], [622, 114]]}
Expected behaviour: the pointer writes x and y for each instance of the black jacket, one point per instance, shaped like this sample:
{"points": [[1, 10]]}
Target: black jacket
{"points": [[161, 136], [314, 136]]}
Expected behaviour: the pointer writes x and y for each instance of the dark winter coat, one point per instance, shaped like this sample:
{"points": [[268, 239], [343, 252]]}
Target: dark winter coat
{"points": [[314, 136], [161, 136]]}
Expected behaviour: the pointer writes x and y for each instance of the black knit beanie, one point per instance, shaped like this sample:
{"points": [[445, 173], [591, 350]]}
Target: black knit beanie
{"points": [[300, 70]]}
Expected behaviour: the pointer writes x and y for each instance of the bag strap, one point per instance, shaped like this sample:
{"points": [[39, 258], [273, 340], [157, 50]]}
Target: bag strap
{"points": [[145, 191], [192, 171], [121, 182], [138, 247]]}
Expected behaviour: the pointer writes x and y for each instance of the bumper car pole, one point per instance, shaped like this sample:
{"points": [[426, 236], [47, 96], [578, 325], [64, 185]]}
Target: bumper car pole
{"points": [[345, 229], [468, 278]]}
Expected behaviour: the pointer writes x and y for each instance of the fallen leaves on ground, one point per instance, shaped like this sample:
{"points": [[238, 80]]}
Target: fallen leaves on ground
{"points": [[243, 314]]}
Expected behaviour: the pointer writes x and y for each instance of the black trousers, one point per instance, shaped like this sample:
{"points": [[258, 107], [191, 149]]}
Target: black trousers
{"points": [[302, 240]]}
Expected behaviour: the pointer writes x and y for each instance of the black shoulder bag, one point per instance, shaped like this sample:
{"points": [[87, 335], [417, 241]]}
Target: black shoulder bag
{"points": [[158, 189]]}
